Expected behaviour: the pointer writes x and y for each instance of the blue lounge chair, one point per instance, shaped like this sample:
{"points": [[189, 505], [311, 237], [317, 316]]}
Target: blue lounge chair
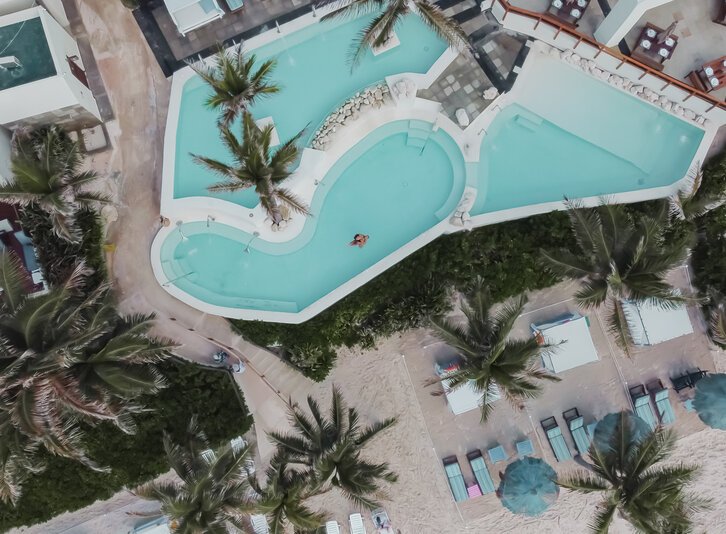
{"points": [[591, 429], [556, 439], [234, 5], [481, 473], [663, 405], [524, 448], [497, 454], [576, 424], [642, 405], [456, 479]]}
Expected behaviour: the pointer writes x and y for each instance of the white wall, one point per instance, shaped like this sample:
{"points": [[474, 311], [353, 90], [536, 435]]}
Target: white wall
{"points": [[5, 136], [11, 6], [623, 17]]}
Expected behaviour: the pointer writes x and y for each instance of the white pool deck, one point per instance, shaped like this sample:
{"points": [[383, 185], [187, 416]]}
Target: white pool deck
{"points": [[315, 163]]}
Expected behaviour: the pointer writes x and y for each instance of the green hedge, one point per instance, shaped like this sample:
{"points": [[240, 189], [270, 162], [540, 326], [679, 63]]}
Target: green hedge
{"points": [[505, 255], [67, 485]]}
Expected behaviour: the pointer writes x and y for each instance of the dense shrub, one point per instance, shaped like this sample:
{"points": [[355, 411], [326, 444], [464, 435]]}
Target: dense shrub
{"points": [[505, 255], [66, 485], [56, 256]]}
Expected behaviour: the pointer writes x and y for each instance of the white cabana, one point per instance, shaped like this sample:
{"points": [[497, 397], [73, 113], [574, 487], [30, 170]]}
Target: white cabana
{"points": [[650, 325], [465, 397], [189, 15], [577, 349]]}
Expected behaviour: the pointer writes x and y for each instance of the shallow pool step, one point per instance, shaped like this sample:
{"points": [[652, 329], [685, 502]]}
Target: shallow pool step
{"points": [[417, 142], [419, 126], [530, 123]]}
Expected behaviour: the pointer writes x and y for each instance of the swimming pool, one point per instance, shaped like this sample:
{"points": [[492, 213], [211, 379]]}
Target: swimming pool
{"points": [[315, 76], [395, 185], [571, 135]]}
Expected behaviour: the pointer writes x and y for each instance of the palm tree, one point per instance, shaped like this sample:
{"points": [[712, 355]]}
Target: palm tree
{"points": [[717, 323], [635, 483], [46, 166], [282, 499], [213, 494], [691, 202], [388, 14], [623, 257], [331, 449], [66, 358], [255, 165], [489, 360], [17, 460], [235, 83]]}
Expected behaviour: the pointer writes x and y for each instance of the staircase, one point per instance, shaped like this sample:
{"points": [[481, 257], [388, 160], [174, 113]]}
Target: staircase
{"points": [[418, 133]]}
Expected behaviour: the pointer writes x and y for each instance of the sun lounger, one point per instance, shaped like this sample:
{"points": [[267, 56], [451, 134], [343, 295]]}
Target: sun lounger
{"points": [[524, 448], [259, 524], [497, 454], [332, 527], [663, 405], [456, 479], [556, 439], [643, 407], [481, 473], [234, 5], [576, 424], [591, 429], [356, 524], [688, 380]]}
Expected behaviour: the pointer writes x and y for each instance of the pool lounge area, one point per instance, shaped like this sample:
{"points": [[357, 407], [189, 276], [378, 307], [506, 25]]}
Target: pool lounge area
{"points": [[403, 174]]}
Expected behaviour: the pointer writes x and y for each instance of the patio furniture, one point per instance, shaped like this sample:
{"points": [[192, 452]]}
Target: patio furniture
{"points": [[381, 521], [662, 402], [524, 448], [259, 524], [31, 262], [332, 527], [189, 15], [654, 46], [577, 349], [642, 405], [568, 11], [481, 473], [356, 524], [456, 480], [234, 5], [687, 380], [576, 424], [528, 487], [721, 17], [710, 76], [497, 454], [556, 439]]}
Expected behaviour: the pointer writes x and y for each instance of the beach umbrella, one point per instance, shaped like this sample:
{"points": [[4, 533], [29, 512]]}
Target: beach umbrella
{"points": [[710, 400], [528, 486], [610, 424]]}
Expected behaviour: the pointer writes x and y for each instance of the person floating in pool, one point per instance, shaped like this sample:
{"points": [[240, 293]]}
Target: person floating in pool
{"points": [[359, 239]]}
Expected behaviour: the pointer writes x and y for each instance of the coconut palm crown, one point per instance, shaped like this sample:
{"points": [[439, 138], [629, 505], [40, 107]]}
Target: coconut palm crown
{"points": [[213, 493], [46, 171], [388, 13], [256, 165], [235, 83], [623, 257], [637, 484], [331, 449], [66, 358], [490, 359]]}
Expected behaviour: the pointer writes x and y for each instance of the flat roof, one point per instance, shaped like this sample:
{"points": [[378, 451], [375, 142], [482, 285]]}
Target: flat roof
{"points": [[26, 41]]}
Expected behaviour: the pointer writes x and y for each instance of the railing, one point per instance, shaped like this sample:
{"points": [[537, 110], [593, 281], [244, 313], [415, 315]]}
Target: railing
{"points": [[561, 27]]}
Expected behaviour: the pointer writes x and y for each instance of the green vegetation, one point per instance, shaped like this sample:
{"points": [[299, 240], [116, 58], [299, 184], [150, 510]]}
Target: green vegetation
{"points": [[64, 485], [506, 256], [634, 482], [489, 357]]}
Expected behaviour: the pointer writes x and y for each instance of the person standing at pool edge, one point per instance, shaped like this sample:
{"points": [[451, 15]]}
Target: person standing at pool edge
{"points": [[359, 239]]}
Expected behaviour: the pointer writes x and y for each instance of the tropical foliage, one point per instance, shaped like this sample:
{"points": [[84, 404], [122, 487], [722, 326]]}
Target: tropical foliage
{"points": [[330, 450], [638, 482], [256, 165], [213, 493], [490, 359], [623, 256], [68, 358], [388, 13], [46, 167], [692, 202], [234, 81]]}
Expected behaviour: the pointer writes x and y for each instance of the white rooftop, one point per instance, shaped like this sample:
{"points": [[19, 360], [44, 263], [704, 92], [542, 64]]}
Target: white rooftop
{"points": [[650, 325], [576, 346]]}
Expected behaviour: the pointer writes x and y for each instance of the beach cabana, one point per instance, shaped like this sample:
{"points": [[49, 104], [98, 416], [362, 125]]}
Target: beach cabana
{"points": [[456, 479], [528, 487], [556, 439], [464, 398], [481, 473], [577, 349], [189, 15], [650, 325]]}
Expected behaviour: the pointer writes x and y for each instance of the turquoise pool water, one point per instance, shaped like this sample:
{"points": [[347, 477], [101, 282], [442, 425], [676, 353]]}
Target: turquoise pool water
{"points": [[388, 186], [313, 70], [571, 135]]}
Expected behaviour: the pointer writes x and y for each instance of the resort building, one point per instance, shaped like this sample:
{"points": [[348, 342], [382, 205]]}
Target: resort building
{"points": [[42, 77]]}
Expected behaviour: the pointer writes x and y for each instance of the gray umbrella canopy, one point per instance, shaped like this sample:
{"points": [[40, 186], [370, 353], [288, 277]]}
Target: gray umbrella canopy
{"points": [[710, 400], [609, 426], [528, 486]]}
